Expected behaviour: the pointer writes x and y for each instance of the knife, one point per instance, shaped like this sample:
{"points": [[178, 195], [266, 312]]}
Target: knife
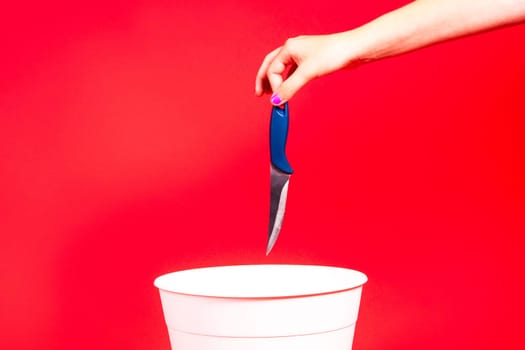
{"points": [[280, 172]]}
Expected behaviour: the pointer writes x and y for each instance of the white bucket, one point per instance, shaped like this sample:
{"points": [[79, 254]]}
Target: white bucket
{"points": [[261, 307]]}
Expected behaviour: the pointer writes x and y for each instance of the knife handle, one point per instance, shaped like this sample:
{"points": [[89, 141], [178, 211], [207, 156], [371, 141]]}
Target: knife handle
{"points": [[278, 134]]}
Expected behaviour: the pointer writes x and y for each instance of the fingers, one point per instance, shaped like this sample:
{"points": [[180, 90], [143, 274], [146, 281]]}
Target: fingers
{"points": [[289, 87], [282, 71], [279, 66], [286, 74], [273, 69], [261, 77]]}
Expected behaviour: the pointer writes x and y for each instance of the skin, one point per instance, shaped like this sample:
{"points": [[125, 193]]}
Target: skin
{"points": [[285, 70]]}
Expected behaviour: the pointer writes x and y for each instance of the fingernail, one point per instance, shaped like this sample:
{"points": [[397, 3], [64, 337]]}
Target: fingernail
{"points": [[275, 99]]}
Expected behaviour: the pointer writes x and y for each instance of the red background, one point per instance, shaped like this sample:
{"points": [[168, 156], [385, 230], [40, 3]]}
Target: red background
{"points": [[132, 145]]}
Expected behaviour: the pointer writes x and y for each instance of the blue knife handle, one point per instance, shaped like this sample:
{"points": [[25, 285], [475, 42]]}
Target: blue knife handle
{"points": [[278, 134]]}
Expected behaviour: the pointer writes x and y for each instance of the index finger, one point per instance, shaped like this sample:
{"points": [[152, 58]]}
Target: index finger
{"points": [[261, 73], [279, 67]]}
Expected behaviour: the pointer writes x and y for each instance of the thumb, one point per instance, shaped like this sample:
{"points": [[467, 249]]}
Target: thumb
{"points": [[289, 87]]}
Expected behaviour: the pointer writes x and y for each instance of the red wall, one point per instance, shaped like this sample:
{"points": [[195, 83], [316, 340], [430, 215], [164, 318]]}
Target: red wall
{"points": [[132, 145]]}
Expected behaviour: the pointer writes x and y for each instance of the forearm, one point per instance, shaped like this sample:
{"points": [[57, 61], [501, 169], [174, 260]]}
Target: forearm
{"points": [[418, 24], [425, 22]]}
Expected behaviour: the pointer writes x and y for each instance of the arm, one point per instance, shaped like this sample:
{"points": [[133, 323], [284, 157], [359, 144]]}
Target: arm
{"points": [[418, 24]]}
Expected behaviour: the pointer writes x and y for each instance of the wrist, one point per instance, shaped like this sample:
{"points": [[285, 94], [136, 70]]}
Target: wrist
{"points": [[358, 47]]}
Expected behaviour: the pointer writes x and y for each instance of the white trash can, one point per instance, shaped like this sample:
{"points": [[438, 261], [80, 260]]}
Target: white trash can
{"points": [[261, 307]]}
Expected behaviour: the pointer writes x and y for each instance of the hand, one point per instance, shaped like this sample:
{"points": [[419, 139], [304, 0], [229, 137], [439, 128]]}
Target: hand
{"points": [[418, 24], [288, 68]]}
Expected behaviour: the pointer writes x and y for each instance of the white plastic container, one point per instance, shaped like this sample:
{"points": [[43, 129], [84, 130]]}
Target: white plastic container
{"points": [[261, 307]]}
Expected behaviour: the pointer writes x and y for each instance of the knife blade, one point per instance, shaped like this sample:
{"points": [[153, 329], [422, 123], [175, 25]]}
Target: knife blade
{"points": [[280, 172]]}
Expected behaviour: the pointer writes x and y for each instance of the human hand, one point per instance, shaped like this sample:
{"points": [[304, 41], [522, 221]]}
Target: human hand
{"points": [[288, 68], [418, 24]]}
